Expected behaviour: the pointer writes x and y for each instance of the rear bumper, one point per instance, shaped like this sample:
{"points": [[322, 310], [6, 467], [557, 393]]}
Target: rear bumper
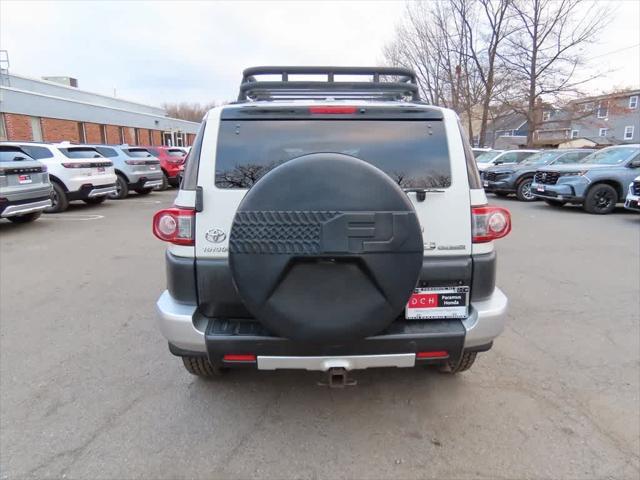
{"points": [[23, 207], [92, 191], [190, 333]]}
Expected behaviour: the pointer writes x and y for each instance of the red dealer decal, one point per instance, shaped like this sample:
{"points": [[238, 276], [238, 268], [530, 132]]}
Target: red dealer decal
{"points": [[423, 300]]}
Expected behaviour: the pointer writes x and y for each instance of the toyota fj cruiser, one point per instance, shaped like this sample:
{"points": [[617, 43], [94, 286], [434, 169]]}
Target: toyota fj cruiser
{"points": [[330, 225]]}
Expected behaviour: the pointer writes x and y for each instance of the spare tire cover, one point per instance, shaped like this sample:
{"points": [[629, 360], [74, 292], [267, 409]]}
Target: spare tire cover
{"points": [[325, 248]]}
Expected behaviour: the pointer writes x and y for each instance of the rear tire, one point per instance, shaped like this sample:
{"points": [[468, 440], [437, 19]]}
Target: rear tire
{"points": [[122, 188], [601, 199], [465, 363], [165, 183], [144, 191], [59, 200], [555, 203], [523, 192], [201, 367], [94, 200], [26, 218]]}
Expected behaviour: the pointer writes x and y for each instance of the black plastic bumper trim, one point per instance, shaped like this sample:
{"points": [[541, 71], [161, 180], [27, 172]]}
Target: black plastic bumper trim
{"points": [[226, 336]]}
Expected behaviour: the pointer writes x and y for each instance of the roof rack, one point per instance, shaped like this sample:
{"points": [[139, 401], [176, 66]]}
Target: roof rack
{"points": [[387, 83]]}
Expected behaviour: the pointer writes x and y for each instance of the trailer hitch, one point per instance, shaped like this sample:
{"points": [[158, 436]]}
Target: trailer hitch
{"points": [[338, 377]]}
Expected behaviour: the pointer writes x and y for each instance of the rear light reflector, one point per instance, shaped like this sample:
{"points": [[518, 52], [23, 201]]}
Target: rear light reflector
{"points": [[175, 225], [329, 109], [239, 358], [489, 223], [436, 354]]}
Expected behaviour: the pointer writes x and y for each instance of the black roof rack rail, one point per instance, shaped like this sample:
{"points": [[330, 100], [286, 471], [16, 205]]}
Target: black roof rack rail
{"points": [[388, 83]]}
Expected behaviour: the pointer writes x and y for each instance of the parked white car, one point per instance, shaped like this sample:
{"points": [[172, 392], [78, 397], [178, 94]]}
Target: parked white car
{"points": [[632, 202], [491, 158], [77, 172]]}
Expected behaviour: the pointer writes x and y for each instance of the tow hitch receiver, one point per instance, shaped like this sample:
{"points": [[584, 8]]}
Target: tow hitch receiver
{"points": [[337, 377]]}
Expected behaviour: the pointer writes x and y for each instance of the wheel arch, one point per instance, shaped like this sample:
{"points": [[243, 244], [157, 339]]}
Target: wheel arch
{"points": [[612, 183], [53, 178], [122, 174]]}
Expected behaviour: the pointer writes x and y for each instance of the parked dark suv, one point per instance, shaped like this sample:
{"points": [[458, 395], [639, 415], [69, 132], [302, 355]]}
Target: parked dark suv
{"points": [[517, 178]]}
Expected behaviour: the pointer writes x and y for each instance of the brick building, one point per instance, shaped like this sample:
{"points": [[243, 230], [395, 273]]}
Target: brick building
{"points": [[43, 110]]}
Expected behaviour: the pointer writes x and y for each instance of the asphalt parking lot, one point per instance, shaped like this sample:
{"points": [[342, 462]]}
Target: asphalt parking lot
{"points": [[89, 390]]}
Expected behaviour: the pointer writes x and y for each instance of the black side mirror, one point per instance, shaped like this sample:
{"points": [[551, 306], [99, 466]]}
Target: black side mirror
{"points": [[498, 162], [634, 163]]}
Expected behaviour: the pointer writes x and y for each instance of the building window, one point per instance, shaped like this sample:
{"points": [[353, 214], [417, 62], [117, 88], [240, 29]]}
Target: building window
{"points": [[136, 135], [603, 132], [3, 129], [121, 131], [150, 137], [82, 134], [103, 133], [574, 133], [36, 129], [628, 132], [633, 102], [587, 107], [603, 110], [167, 139], [546, 115]]}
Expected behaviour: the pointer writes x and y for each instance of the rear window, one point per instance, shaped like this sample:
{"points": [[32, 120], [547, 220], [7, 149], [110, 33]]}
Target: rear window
{"points": [[9, 154], [153, 151], [175, 152], [80, 152], [413, 153], [107, 152], [137, 152], [37, 152]]}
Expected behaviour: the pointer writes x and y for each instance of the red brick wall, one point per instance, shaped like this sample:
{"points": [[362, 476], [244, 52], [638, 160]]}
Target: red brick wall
{"points": [[157, 137], [143, 136], [113, 134], [55, 130], [129, 136], [92, 132], [190, 138], [18, 127]]}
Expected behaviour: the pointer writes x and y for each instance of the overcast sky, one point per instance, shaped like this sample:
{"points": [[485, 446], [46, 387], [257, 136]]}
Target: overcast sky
{"points": [[195, 51]]}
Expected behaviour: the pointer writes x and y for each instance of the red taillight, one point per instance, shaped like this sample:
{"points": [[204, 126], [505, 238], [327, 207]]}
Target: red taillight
{"points": [[175, 225], [436, 354], [489, 223], [239, 358], [329, 109]]}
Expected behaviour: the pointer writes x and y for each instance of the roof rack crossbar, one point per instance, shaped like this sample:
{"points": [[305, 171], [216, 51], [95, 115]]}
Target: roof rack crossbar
{"points": [[402, 84]]}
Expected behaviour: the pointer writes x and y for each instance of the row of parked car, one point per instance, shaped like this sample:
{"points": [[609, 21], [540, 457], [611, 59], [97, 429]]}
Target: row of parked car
{"points": [[595, 179], [45, 177]]}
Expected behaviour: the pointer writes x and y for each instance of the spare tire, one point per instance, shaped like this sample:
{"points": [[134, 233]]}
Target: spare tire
{"points": [[325, 248]]}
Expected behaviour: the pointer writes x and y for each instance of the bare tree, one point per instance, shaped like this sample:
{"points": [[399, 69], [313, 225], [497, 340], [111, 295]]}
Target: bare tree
{"points": [[544, 52], [431, 42], [193, 112], [483, 48]]}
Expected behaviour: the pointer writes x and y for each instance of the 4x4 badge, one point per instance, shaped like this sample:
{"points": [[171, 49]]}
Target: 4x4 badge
{"points": [[215, 235]]}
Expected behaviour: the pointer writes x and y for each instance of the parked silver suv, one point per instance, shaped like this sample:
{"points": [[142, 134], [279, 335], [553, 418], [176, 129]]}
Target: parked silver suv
{"points": [[25, 190], [136, 169], [597, 183], [345, 229]]}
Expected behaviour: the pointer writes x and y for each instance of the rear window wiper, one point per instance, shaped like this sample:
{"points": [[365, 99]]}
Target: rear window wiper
{"points": [[421, 193]]}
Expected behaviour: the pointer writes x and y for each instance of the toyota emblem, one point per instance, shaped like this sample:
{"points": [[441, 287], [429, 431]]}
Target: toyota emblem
{"points": [[215, 235]]}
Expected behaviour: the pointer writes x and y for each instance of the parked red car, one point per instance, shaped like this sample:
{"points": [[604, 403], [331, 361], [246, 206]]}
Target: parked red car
{"points": [[172, 161]]}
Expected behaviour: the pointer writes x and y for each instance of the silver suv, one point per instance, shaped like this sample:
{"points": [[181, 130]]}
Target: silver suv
{"points": [[25, 190], [136, 169], [598, 182], [330, 226]]}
